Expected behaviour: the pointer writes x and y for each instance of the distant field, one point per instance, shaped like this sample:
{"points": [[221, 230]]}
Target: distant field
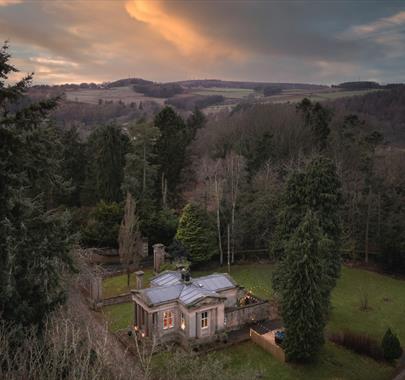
{"points": [[115, 94], [233, 93], [294, 96]]}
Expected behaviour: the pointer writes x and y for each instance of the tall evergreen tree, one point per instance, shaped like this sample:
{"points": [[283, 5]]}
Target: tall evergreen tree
{"points": [[170, 152], [317, 117], [35, 243], [73, 164], [303, 296], [107, 148], [196, 233], [317, 189]]}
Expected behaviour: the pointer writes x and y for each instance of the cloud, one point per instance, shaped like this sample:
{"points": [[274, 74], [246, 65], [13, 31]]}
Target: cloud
{"points": [[303, 41], [179, 32], [4, 3]]}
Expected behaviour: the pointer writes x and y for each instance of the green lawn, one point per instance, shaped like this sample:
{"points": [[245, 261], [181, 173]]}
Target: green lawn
{"points": [[333, 363], [114, 286], [386, 299]]}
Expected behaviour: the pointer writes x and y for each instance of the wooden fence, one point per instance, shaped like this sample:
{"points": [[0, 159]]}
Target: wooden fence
{"points": [[266, 341]]}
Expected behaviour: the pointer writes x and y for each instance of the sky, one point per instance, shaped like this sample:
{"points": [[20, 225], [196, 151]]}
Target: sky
{"points": [[326, 42]]}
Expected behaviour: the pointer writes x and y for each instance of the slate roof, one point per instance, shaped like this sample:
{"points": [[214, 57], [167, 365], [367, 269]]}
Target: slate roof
{"points": [[168, 287]]}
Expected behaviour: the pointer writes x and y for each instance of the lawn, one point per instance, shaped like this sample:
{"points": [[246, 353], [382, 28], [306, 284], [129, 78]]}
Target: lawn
{"points": [[233, 93], [114, 286], [387, 309]]}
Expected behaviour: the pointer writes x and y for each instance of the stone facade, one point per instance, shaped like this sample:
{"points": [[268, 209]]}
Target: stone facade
{"points": [[178, 308]]}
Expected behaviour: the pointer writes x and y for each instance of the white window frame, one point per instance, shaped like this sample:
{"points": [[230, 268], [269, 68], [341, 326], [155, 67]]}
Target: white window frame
{"points": [[168, 320], [204, 320], [182, 322]]}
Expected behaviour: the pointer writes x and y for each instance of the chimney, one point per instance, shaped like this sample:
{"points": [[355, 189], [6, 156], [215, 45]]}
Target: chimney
{"points": [[185, 276], [139, 279]]}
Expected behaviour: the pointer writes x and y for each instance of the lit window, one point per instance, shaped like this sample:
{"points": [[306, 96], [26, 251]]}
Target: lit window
{"points": [[182, 322], [204, 320], [167, 320]]}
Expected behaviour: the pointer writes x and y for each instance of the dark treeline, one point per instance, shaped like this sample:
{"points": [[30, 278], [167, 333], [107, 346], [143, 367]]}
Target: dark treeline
{"points": [[270, 142]]}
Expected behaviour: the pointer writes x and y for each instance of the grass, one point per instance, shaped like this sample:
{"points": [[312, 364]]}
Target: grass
{"points": [[387, 309], [116, 285], [233, 93], [333, 363]]}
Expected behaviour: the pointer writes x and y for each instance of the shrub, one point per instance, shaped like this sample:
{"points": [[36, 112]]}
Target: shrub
{"points": [[359, 343], [101, 229], [391, 346]]}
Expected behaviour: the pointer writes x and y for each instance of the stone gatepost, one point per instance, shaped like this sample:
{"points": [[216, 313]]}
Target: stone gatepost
{"points": [[158, 256], [96, 291]]}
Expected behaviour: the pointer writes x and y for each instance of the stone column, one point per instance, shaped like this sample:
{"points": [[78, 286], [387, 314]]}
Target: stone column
{"points": [[139, 279]]}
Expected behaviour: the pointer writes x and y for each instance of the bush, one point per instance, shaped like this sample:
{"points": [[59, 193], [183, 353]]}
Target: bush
{"points": [[359, 343], [101, 229], [196, 233], [391, 346]]}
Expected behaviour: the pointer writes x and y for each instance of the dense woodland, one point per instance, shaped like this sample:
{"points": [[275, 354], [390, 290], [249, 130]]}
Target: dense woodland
{"points": [[270, 179]]}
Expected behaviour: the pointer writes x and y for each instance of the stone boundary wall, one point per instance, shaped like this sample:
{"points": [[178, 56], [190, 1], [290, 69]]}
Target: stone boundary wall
{"points": [[122, 298], [237, 317]]}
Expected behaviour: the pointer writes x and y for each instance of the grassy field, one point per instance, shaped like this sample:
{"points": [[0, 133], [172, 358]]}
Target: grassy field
{"points": [[233, 93], [387, 309], [125, 94]]}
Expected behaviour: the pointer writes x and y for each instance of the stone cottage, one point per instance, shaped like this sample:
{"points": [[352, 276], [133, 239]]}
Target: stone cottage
{"points": [[179, 308]]}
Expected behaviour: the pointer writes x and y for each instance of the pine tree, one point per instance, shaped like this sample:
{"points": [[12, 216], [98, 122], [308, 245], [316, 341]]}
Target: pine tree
{"points": [[316, 189], [196, 233], [303, 296], [391, 346], [35, 238], [170, 153], [107, 148]]}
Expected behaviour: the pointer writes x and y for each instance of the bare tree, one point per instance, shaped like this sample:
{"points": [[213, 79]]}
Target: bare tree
{"points": [[218, 188], [129, 237], [234, 171]]}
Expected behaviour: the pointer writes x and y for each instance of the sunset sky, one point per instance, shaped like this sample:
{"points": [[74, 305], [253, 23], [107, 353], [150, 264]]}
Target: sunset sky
{"points": [[288, 41]]}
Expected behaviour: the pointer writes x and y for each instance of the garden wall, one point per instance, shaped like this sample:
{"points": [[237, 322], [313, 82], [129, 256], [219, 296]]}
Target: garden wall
{"points": [[122, 298], [242, 315]]}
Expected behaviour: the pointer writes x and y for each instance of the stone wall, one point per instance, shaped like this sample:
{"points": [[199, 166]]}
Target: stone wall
{"points": [[242, 315], [122, 298]]}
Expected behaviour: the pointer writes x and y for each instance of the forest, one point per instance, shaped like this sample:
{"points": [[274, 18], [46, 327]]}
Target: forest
{"points": [[251, 183]]}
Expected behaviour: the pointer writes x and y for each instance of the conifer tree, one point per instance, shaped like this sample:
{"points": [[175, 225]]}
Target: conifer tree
{"points": [[35, 238], [196, 233], [391, 346], [303, 296]]}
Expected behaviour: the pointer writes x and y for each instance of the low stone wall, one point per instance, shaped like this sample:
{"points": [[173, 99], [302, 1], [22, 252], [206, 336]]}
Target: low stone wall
{"points": [[122, 298], [239, 316]]}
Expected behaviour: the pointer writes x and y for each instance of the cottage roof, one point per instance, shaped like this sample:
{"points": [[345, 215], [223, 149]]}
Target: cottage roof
{"points": [[168, 287]]}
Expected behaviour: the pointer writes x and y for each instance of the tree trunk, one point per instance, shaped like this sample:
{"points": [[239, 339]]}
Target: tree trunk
{"points": [[367, 226], [144, 169], [229, 252], [221, 254]]}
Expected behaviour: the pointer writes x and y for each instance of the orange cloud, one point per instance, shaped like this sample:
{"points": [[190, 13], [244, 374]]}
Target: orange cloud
{"points": [[4, 3], [179, 32]]}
